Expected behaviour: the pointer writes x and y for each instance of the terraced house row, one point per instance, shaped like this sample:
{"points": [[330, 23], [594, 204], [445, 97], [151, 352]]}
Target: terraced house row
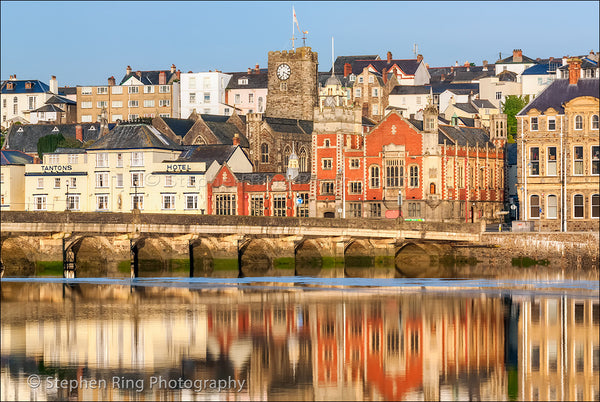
{"points": [[315, 147]]}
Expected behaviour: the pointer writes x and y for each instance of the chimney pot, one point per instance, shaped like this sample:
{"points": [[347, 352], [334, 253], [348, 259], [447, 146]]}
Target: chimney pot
{"points": [[419, 58], [236, 139], [389, 57], [249, 70], [138, 73], [111, 81], [128, 70], [172, 68], [517, 55], [257, 69]]}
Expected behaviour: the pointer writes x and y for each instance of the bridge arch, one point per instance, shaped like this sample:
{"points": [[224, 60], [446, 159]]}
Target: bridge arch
{"points": [[358, 257], [201, 258], [422, 259], [256, 256], [91, 255], [18, 256], [310, 255]]}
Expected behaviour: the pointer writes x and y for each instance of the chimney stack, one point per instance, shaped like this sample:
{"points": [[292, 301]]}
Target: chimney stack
{"points": [[53, 85], [384, 75], [178, 72], [172, 68], [111, 81], [138, 73], [574, 70], [236, 139], [249, 70], [485, 64], [256, 69], [347, 69], [128, 71], [79, 132], [517, 56], [389, 57], [419, 58], [162, 78]]}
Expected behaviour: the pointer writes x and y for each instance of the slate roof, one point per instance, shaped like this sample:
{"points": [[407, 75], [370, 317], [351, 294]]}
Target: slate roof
{"points": [[483, 103], [458, 88], [69, 151], [585, 64], [417, 123], [223, 130], [466, 107], [459, 73], [179, 126], [208, 153], [462, 135], [255, 81], [468, 76], [134, 136], [150, 77], [408, 66], [368, 122], [509, 60], [411, 90], [341, 61], [542, 69], [49, 108], [323, 77], [468, 122], [24, 137], [559, 92], [67, 90], [11, 157], [19, 87], [261, 177], [57, 100], [291, 126]]}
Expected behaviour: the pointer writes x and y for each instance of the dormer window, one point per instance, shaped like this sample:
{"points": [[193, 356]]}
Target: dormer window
{"points": [[28, 85], [243, 81], [352, 78], [10, 86]]}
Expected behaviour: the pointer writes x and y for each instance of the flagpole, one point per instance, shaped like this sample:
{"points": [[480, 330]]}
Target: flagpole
{"points": [[293, 17]]}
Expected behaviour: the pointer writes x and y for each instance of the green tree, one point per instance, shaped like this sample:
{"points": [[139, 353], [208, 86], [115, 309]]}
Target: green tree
{"points": [[513, 105], [49, 143]]}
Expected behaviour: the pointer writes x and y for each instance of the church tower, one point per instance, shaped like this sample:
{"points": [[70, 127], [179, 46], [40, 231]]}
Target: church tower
{"points": [[292, 84]]}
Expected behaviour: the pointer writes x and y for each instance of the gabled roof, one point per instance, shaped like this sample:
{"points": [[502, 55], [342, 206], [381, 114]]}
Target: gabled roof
{"points": [[585, 64], [208, 153], [483, 103], [509, 60], [463, 135], [411, 90], [134, 136], [19, 87], [560, 92], [223, 130], [24, 137], [408, 66], [255, 80], [179, 126], [466, 107], [11, 157], [49, 108], [150, 77], [57, 100], [341, 61], [291, 126]]}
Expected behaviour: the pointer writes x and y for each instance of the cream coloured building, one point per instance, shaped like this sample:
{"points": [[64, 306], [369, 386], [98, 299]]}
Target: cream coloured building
{"points": [[132, 166], [12, 179]]}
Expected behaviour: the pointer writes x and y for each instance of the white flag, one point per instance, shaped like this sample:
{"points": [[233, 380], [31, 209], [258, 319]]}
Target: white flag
{"points": [[296, 19]]}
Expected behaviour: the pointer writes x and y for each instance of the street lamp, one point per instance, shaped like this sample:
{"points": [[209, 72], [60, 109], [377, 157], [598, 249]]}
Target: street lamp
{"points": [[400, 203], [67, 206], [135, 197]]}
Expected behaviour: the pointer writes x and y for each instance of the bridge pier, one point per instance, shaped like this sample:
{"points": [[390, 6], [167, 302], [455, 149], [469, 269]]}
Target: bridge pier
{"points": [[133, 258], [69, 259]]}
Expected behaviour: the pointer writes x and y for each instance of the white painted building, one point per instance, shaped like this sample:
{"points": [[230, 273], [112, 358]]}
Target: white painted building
{"points": [[204, 92], [20, 97]]}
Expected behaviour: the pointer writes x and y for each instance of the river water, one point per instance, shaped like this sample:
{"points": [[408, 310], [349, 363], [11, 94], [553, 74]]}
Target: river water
{"points": [[300, 338]]}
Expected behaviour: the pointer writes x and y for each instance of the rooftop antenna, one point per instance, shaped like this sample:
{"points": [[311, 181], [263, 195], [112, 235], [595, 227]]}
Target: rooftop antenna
{"points": [[415, 49]]}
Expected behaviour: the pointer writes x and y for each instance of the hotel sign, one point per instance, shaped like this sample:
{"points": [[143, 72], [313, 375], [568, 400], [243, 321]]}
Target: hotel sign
{"points": [[174, 168]]}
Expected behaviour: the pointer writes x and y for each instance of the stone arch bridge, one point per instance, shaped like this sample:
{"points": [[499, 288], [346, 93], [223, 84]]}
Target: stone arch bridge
{"points": [[137, 244]]}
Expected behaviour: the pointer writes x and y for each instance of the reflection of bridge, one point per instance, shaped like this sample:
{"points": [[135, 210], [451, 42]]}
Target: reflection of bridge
{"points": [[97, 244]]}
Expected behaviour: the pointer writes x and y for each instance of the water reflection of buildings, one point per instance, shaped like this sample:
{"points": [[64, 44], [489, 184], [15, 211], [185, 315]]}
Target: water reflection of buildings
{"points": [[313, 344], [559, 350]]}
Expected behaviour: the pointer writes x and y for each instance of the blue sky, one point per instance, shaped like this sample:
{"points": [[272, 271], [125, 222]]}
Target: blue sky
{"points": [[84, 43]]}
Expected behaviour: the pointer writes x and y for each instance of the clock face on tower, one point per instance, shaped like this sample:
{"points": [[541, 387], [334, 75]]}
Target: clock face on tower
{"points": [[283, 72]]}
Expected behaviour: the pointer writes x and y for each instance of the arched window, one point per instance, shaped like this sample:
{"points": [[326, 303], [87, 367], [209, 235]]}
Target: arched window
{"points": [[431, 188], [264, 153], [303, 161], [595, 122], [578, 206], [286, 156], [534, 206], [375, 176], [414, 176], [578, 122]]}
